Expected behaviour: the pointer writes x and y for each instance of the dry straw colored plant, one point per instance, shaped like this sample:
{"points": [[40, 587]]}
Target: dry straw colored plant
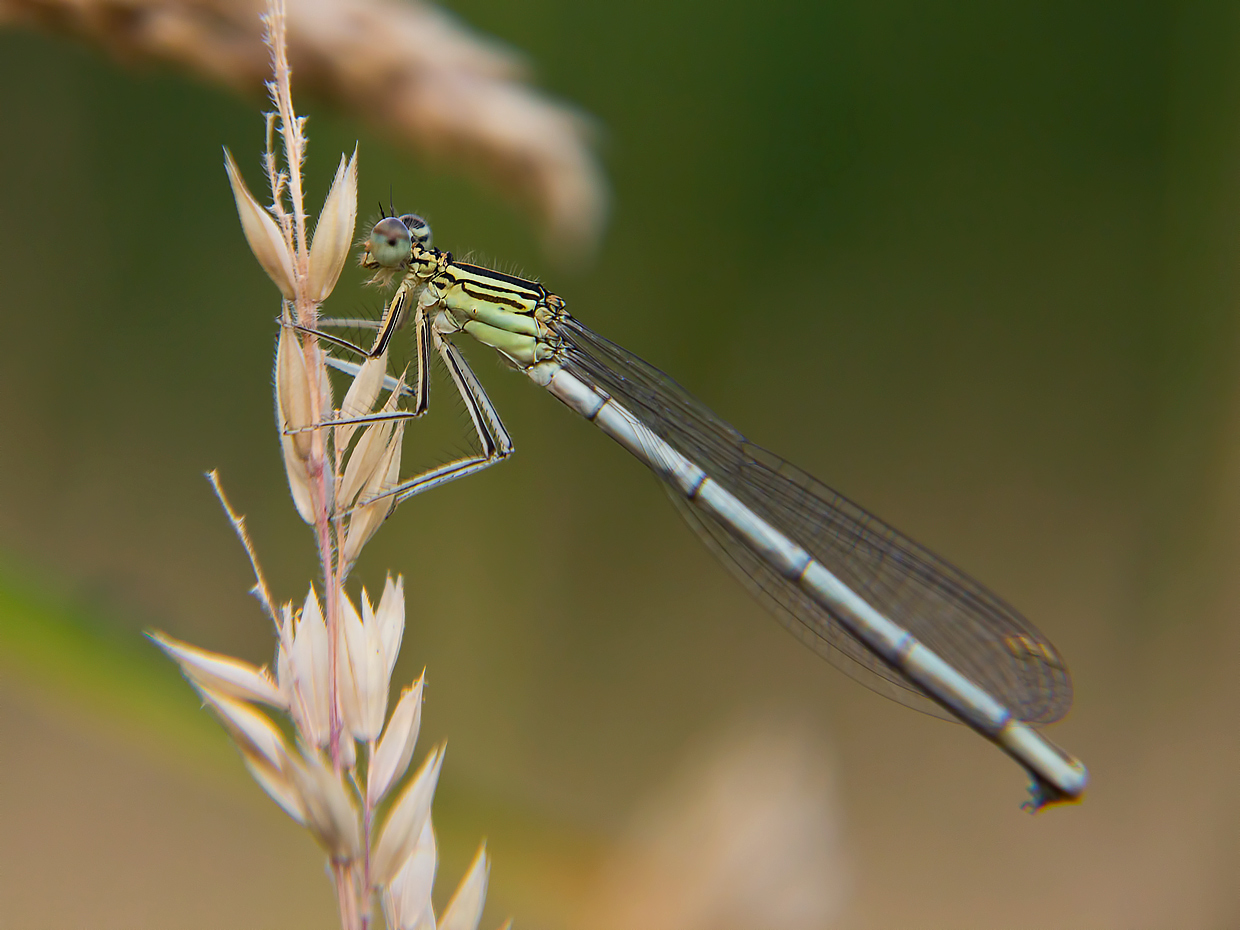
{"points": [[343, 773], [412, 71]]}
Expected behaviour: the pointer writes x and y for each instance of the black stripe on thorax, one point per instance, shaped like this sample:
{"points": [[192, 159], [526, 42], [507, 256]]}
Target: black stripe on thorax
{"points": [[537, 290]]}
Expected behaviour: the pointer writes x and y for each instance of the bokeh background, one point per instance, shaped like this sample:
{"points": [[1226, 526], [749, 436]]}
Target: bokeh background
{"points": [[973, 264]]}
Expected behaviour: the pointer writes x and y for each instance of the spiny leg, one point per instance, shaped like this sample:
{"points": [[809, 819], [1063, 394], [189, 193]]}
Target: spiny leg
{"points": [[421, 391], [492, 435], [392, 319], [355, 421], [422, 342]]}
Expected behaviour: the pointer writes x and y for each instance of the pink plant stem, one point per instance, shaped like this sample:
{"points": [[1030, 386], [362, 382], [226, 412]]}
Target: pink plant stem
{"points": [[322, 495], [320, 482], [368, 819], [307, 315], [353, 901], [290, 130], [345, 895], [322, 526], [317, 469]]}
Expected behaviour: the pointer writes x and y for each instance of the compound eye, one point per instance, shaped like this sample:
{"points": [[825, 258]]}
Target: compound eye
{"points": [[418, 228], [389, 244]]}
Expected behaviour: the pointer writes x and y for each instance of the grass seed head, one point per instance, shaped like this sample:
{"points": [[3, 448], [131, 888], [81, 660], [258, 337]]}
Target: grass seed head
{"points": [[465, 909], [407, 900], [390, 616], [333, 234], [405, 820], [223, 674], [363, 673], [250, 728], [359, 399], [267, 241], [278, 784], [294, 392], [395, 749], [308, 669], [331, 815], [367, 518], [333, 666]]}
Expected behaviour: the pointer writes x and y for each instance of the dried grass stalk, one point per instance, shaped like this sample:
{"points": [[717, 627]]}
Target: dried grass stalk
{"points": [[334, 661], [411, 70]]}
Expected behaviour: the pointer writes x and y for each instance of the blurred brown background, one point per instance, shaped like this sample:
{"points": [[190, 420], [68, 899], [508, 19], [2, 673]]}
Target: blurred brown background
{"points": [[974, 266]]}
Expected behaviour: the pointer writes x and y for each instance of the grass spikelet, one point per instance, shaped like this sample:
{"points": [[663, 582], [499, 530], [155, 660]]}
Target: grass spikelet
{"points": [[334, 659]]}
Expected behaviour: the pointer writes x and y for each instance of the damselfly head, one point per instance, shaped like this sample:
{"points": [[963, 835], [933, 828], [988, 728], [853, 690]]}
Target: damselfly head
{"points": [[418, 228], [389, 245]]}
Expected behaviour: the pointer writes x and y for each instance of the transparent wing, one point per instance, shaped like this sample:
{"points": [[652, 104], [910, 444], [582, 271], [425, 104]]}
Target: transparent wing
{"points": [[962, 621]]}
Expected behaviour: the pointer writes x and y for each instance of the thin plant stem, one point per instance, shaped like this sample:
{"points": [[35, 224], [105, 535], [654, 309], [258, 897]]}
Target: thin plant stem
{"points": [[334, 662], [260, 589], [306, 312]]}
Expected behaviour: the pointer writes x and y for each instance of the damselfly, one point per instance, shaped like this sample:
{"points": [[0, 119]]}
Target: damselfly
{"points": [[884, 608]]}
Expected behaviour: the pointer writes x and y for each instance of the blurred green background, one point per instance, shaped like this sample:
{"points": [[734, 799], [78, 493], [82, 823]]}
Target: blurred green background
{"points": [[972, 264]]}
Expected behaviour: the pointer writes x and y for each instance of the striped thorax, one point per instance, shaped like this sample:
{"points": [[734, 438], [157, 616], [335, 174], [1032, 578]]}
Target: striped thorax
{"points": [[507, 313]]}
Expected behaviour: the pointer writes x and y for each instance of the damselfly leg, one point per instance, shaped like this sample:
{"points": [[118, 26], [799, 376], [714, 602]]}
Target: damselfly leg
{"points": [[493, 438]]}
